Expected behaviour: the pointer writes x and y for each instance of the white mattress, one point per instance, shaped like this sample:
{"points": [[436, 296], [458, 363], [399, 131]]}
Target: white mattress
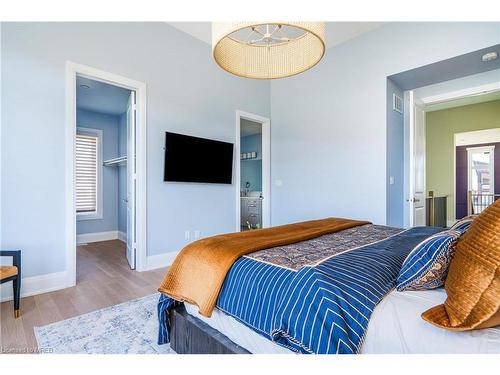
{"points": [[395, 327]]}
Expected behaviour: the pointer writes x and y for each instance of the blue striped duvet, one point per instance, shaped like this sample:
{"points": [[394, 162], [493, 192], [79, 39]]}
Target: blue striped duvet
{"points": [[317, 309]]}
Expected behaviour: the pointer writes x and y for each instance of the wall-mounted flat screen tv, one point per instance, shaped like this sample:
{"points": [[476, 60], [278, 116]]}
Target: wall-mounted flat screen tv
{"points": [[193, 159]]}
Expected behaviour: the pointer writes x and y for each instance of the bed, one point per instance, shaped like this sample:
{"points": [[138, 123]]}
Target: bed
{"points": [[395, 328], [329, 294]]}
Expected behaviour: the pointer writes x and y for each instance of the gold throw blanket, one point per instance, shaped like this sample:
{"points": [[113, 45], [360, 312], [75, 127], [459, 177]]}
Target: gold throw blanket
{"points": [[198, 272]]}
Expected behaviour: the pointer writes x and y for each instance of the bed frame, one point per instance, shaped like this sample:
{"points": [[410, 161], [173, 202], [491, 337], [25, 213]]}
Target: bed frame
{"points": [[190, 335]]}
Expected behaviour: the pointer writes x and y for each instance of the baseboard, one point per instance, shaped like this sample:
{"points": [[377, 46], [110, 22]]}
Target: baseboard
{"points": [[97, 237], [160, 261], [122, 236], [33, 285]]}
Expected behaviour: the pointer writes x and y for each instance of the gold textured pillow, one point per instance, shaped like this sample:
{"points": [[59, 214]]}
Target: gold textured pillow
{"points": [[473, 282]]}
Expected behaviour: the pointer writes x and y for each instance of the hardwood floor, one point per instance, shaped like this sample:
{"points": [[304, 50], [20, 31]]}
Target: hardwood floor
{"points": [[104, 278]]}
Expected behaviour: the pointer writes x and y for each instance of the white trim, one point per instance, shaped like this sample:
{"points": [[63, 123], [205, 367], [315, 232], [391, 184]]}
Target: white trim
{"points": [[161, 260], [482, 148], [70, 213], [266, 166], [470, 151], [450, 223], [1, 126], [97, 214], [33, 285], [406, 157], [122, 236], [72, 70], [459, 94], [469, 138], [414, 104], [477, 137], [97, 237], [411, 190]]}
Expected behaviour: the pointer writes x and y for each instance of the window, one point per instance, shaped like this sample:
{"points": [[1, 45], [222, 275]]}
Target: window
{"points": [[88, 174]]}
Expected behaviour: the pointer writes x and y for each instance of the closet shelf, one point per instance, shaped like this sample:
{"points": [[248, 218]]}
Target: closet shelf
{"points": [[250, 159], [122, 160]]}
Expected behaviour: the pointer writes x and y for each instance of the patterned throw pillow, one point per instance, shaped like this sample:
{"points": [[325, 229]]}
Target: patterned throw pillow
{"points": [[427, 264], [463, 224]]}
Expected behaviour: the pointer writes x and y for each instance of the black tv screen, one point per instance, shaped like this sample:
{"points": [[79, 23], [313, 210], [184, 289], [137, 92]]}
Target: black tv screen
{"points": [[193, 159]]}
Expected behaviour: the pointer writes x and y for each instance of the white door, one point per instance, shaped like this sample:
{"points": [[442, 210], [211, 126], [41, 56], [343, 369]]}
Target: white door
{"points": [[417, 164], [131, 181]]}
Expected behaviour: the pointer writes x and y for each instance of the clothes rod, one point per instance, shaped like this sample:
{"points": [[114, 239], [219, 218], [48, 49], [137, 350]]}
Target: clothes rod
{"points": [[115, 162]]}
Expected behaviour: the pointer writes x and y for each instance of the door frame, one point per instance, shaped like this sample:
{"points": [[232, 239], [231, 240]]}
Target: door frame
{"points": [[131, 199], [492, 164], [72, 70], [475, 137], [266, 166], [413, 102], [408, 112]]}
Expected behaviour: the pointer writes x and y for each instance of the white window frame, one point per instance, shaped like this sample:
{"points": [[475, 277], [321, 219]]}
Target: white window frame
{"points": [[97, 214], [470, 151]]}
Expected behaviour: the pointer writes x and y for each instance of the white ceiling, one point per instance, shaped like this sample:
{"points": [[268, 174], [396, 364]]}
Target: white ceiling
{"points": [[336, 32], [101, 97]]}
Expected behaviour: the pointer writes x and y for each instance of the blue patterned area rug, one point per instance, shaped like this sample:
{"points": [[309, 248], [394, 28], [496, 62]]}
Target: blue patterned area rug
{"points": [[127, 328]]}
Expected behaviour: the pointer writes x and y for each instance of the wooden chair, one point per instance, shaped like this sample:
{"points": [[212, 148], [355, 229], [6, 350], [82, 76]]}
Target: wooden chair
{"points": [[12, 273]]}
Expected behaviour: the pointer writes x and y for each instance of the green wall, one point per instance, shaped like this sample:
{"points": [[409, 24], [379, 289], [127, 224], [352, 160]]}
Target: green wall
{"points": [[440, 129]]}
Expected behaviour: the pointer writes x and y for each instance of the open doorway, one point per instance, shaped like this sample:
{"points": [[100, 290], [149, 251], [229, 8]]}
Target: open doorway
{"points": [[104, 181], [477, 170], [106, 176], [457, 154], [427, 107], [252, 172]]}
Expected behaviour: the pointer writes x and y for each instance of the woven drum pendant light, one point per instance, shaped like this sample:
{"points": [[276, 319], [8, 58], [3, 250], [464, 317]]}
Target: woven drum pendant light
{"points": [[267, 50]]}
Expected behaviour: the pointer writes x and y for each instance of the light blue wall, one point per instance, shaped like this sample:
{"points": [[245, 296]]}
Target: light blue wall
{"points": [[251, 170], [329, 133], [186, 92], [109, 126], [328, 137], [395, 159], [122, 174]]}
